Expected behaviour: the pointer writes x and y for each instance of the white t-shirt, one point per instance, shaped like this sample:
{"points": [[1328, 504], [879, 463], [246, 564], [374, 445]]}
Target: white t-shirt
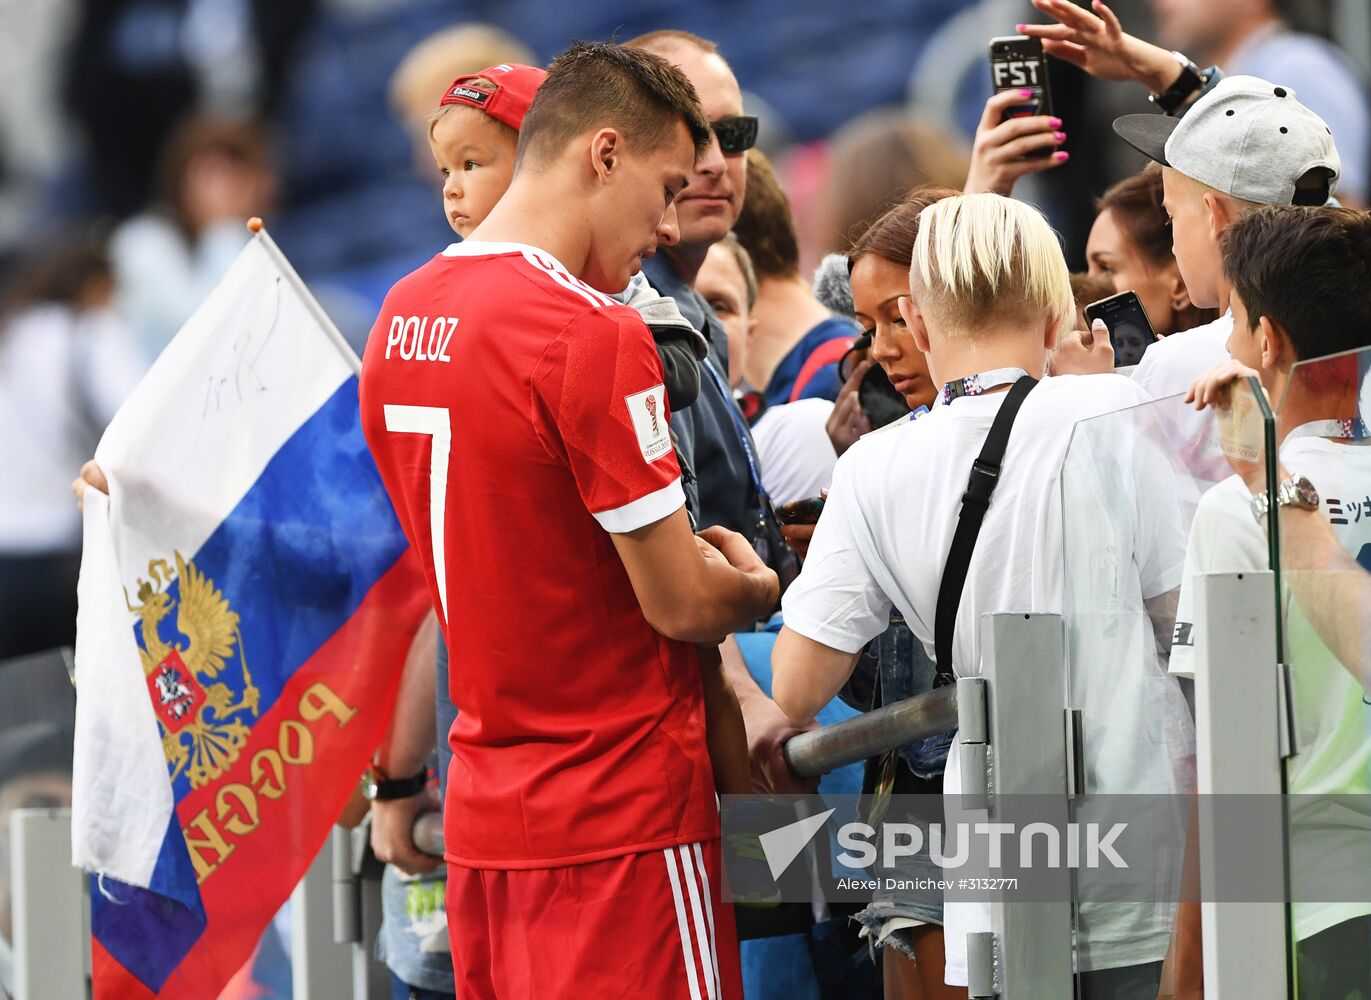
{"points": [[1173, 363], [794, 450], [1331, 842], [63, 373], [884, 537]]}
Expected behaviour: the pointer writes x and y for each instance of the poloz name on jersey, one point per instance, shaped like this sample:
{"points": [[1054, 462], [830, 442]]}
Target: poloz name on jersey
{"points": [[421, 338]]}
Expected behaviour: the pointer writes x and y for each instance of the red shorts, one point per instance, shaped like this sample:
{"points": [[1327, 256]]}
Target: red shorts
{"points": [[640, 925]]}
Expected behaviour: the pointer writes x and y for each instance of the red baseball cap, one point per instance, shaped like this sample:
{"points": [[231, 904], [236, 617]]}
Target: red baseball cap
{"points": [[505, 91]]}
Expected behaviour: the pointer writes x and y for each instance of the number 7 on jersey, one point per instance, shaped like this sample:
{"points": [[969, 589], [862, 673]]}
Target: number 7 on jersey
{"points": [[435, 422]]}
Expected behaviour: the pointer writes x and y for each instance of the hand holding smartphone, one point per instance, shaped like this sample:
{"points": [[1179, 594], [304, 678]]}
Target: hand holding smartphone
{"points": [[805, 511], [1017, 63], [1130, 331]]}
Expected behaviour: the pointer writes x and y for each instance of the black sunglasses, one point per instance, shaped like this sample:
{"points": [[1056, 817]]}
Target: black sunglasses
{"points": [[737, 134]]}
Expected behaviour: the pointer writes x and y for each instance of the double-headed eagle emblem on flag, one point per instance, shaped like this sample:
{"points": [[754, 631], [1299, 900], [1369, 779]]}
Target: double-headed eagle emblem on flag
{"points": [[190, 668]]}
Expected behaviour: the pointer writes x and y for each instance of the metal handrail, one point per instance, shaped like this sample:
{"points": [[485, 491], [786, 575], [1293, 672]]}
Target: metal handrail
{"points": [[428, 833], [815, 753], [872, 733]]}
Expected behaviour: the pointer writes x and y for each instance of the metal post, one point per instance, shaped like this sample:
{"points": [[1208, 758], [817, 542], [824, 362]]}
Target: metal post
{"points": [[1238, 751], [320, 966], [371, 980], [49, 905], [1023, 661]]}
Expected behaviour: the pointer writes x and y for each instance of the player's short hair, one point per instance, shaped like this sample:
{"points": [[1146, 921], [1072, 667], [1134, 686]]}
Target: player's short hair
{"points": [[665, 39], [596, 84], [981, 259], [1308, 270], [766, 226]]}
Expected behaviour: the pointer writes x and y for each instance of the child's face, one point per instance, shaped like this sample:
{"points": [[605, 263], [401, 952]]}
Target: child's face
{"points": [[475, 157], [1192, 238]]}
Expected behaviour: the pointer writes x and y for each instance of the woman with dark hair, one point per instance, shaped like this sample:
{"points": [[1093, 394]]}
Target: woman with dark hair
{"points": [[878, 266], [1130, 243], [214, 174]]}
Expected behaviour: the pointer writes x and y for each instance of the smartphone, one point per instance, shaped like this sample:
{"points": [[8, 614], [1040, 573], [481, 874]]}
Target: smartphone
{"points": [[804, 511], [1129, 329], [1017, 63], [878, 400]]}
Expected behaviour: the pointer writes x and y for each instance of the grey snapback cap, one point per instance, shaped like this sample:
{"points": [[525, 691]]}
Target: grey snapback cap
{"points": [[1247, 138]]}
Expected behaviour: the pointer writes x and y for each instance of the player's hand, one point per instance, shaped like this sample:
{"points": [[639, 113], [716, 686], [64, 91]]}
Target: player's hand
{"points": [[767, 730], [1083, 352], [847, 422], [736, 550], [1097, 43], [798, 536], [392, 833], [1000, 154], [92, 476]]}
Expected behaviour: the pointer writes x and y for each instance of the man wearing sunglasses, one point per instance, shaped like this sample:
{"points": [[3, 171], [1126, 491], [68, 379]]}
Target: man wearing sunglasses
{"points": [[714, 435], [711, 433]]}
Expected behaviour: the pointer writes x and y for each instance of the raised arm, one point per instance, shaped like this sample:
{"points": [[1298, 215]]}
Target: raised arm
{"points": [[1095, 41]]}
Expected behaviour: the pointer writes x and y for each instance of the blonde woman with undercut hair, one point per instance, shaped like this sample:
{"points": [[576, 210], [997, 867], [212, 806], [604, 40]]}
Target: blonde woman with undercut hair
{"points": [[989, 295]]}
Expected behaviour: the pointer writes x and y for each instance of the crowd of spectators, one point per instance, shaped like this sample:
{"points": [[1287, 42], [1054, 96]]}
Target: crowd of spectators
{"points": [[837, 307]]}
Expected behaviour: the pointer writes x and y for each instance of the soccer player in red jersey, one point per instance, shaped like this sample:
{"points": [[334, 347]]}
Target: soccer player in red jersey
{"points": [[519, 421]]}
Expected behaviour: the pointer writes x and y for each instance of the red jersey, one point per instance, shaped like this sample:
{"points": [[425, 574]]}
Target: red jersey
{"points": [[518, 417]]}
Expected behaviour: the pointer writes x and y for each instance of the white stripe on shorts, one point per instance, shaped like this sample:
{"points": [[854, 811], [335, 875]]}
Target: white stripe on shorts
{"points": [[709, 910], [705, 938], [687, 951]]}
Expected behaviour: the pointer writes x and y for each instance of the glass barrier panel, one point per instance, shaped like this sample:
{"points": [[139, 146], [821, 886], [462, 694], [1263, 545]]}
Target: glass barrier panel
{"points": [[1140, 516], [1321, 524]]}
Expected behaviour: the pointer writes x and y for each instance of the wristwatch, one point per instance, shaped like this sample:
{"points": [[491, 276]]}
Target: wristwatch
{"points": [[1297, 491], [377, 787], [1174, 97]]}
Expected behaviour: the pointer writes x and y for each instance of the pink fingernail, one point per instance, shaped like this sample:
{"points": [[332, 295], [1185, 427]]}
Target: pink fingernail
{"points": [[1059, 136], [1026, 92], [1019, 27], [1055, 122], [1062, 156]]}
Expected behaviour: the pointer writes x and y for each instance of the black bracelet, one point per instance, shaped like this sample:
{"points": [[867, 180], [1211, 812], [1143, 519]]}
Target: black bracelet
{"points": [[387, 789], [1189, 83]]}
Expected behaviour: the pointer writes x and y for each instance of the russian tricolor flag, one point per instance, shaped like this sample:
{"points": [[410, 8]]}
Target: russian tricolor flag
{"points": [[247, 600]]}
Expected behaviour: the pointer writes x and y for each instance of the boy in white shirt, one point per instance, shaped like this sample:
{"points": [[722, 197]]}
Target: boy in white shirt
{"points": [[1244, 144], [1301, 282], [989, 295]]}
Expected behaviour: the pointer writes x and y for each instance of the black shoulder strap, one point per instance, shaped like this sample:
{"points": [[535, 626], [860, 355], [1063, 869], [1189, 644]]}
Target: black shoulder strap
{"points": [[985, 474]]}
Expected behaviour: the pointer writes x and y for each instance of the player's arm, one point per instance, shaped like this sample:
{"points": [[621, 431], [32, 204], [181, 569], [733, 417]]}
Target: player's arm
{"points": [[404, 751], [807, 675], [696, 588]]}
